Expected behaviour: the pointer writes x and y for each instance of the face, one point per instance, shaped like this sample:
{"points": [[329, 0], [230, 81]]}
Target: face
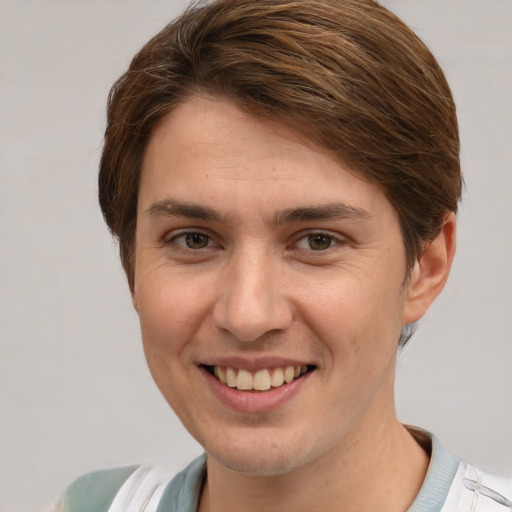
{"points": [[269, 282]]}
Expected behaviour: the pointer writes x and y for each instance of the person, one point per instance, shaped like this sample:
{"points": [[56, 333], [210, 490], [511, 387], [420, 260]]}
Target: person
{"points": [[283, 178]]}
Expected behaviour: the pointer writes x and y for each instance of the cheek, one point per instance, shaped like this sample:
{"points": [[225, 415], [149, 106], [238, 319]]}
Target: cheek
{"points": [[355, 316], [170, 296], [167, 314], [168, 321], [174, 311]]}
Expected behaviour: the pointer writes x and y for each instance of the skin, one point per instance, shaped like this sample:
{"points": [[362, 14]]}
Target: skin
{"points": [[256, 286]]}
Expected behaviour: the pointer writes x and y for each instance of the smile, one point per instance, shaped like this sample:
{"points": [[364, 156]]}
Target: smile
{"points": [[261, 380]]}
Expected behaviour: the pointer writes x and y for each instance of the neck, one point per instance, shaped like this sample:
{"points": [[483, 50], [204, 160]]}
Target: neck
{"points": [[380, 469]]}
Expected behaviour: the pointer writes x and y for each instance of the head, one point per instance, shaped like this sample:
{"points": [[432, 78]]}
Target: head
{"points": [[347, 74], [282, 178]]}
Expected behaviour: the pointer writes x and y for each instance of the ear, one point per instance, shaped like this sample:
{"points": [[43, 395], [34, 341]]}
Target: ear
{"points": [[135, 301], [430, 272]]}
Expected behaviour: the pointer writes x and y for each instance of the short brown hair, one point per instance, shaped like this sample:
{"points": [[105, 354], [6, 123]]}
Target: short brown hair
{"points": [[347, 74]]}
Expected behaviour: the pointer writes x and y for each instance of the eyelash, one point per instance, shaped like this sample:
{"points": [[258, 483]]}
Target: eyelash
{"points": [[332, 240], [184, 234]]}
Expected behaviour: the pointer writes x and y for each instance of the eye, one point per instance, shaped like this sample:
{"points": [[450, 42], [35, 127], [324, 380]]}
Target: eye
{"points": [[316, 242], [192, 240]]}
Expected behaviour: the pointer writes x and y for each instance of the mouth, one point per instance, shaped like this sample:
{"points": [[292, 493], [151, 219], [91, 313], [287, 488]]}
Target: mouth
{"points": [[258, 381]]}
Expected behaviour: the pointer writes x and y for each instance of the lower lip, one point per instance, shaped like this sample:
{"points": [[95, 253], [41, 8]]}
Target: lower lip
{"points": [[254, 401]]}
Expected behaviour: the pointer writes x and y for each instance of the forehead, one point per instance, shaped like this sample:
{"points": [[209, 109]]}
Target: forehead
{"points": [[205, 128], [212, 151]]}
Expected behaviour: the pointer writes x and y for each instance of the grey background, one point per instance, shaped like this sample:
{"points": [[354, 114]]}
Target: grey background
{"points": [[75, 394]]}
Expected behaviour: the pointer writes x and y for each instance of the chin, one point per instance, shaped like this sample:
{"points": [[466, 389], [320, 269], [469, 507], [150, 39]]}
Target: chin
{"points": [[262, 466], [261, 457]]}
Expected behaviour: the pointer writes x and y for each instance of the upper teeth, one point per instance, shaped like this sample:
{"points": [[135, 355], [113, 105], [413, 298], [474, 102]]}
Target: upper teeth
{"points": [[262, 380]]}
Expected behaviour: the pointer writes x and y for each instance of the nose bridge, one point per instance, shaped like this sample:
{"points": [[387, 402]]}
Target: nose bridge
{"points": [[252, 301]]}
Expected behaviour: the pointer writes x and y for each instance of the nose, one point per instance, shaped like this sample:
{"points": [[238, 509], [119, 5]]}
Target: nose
{"points": [[251, 299]]}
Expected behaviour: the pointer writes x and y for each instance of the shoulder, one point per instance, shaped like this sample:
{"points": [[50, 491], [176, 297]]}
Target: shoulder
{"points": [[478, 491], [452, 485], [136, 488], [95, 491]]}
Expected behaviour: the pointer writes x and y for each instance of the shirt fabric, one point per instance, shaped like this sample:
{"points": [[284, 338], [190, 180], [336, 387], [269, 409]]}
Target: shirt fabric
{"points": [[450, 485]]}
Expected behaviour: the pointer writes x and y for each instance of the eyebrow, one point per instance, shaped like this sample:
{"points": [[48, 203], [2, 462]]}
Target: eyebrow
{"points": [[175, 208], [321, 212]]}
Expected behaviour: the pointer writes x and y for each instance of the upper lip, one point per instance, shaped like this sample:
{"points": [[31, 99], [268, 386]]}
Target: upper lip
{"points": [[255, 364]]}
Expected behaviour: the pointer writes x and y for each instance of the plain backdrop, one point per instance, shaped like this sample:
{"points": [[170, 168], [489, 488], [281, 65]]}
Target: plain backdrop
{"points": [[75, 394]]}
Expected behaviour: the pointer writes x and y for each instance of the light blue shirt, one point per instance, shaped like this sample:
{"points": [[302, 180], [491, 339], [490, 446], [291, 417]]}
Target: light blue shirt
{"points": [[96, 491]]}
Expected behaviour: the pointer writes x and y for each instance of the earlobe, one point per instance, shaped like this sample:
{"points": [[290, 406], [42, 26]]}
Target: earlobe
{"points": [[430, 272]]}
